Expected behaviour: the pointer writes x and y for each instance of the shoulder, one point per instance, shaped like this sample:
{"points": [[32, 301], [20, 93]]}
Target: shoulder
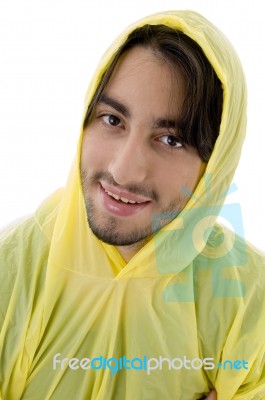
{"points": [[19, 240], [23, 234], [231, 282], [25, 243], [24, 251], [235, 270], [227, 248]]}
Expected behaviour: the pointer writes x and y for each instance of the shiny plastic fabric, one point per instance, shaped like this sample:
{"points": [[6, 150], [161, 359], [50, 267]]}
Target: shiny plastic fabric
{"points": [[77, 322]]}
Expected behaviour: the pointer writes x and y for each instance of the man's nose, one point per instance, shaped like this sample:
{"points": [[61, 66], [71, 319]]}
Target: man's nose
{"points": [[130, 163]]}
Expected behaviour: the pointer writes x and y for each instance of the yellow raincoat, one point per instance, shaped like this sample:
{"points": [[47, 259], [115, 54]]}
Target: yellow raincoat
{"points": [[185, 315]]}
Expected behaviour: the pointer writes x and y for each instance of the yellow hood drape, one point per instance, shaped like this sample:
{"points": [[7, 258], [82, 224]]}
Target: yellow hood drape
{"points": [[195, 291], [211, 191]]}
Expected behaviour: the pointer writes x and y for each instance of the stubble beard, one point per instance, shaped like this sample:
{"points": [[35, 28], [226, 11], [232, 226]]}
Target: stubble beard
{"points": [[108, 228]]}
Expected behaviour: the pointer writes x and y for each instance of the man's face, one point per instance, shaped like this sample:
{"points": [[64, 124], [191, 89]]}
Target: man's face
{"points": [[133, 163]]}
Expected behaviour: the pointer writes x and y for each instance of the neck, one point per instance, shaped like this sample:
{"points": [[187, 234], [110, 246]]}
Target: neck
{"points": [[128, 252]]}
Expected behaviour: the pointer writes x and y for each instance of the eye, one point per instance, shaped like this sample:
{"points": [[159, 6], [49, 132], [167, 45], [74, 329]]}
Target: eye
{"points": [[111, 119], [171, 140]]}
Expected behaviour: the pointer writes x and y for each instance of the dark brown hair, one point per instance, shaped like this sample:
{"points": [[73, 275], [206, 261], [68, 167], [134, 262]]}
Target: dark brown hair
{"points": [[201, 113]]}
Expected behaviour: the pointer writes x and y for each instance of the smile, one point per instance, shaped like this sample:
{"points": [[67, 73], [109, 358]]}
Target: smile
{"points": [[123, 199], [121, 203]]}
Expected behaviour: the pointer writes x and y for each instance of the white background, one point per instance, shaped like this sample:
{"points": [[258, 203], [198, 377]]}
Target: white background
{"points": [[48, 52]]}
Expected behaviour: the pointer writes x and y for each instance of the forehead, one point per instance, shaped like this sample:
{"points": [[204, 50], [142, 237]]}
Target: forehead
{"points": [[142, 78]]}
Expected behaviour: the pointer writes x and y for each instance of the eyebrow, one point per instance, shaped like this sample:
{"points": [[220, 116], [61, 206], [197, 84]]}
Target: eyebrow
{"points": [[167, 123], [109, 101], [118, 106]]}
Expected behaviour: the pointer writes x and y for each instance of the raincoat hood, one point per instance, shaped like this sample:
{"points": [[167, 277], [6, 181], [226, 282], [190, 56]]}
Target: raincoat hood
{"points": [[176, 245]]}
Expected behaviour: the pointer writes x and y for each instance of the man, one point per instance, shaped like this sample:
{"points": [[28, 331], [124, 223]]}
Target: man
{"points": [[123, 286]]}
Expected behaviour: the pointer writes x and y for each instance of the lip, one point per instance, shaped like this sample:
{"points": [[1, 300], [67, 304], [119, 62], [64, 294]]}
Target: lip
{"points": [[117, 207], [122, 193]]}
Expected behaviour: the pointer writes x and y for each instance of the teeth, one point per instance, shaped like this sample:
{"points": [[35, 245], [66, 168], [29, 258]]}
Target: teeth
{"points": [[123, 199], [114, 195]]}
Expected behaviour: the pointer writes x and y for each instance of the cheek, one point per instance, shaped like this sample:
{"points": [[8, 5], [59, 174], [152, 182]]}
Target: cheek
{"points": [[179, 176], [194, 174], [93, 153], [195, 170]]}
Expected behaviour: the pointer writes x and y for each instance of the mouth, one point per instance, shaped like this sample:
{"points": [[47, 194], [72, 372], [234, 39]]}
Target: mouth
{"points": [[121, 203]]}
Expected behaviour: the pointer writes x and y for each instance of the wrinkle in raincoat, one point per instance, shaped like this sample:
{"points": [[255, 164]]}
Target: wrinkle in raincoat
{"points": [[185, 315]]}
